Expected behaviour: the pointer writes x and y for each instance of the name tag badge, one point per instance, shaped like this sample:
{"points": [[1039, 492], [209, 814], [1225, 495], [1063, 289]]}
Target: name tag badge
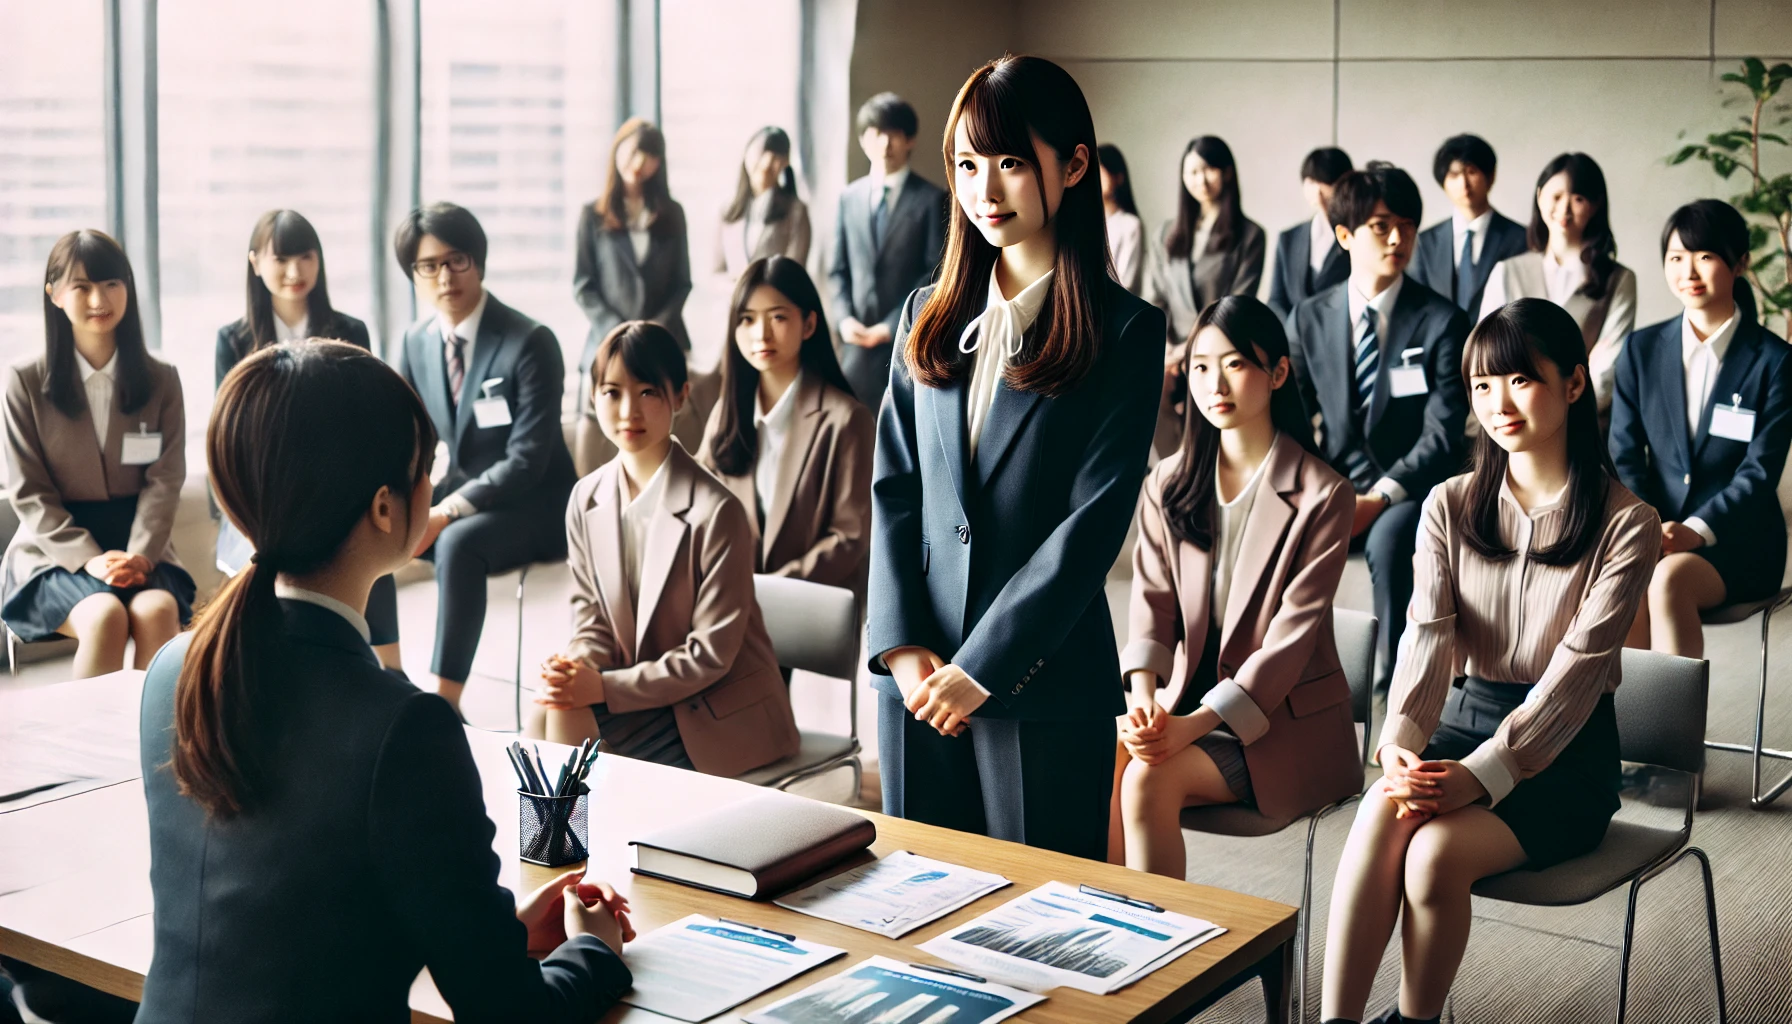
{"points": [[1733, 421], [1406, 379], [143, 447], [488, 411]]}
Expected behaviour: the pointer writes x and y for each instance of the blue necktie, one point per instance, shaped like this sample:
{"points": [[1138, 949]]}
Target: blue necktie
{"points": [[880, 217], [1368, 361], [1465, 271]]}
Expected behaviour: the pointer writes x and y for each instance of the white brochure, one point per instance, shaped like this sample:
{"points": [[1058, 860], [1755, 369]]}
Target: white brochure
{"points": [[695, 968], [888, 991], [895, 895]]}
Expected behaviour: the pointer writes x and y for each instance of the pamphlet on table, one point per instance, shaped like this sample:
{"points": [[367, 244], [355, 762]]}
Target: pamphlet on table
{"points": [[697, 967], [885, 991], [895, 895]]}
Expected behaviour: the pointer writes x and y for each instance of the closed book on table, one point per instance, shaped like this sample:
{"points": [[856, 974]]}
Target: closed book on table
{"points": [[756, 849]]}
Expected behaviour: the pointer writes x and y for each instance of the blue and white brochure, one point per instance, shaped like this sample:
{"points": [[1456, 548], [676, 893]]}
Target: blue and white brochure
{"points": [[895, 895], [886, 991], [697, 967]]}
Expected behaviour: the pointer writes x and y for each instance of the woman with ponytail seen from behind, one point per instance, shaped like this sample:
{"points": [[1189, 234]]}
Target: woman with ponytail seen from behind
{"points": [[317, 832]]}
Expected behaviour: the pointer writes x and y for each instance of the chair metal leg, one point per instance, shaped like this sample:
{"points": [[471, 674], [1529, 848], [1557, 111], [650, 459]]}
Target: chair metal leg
{"points": [[1758, 750], [522, 581], [1304, 921], [1717, 964]]}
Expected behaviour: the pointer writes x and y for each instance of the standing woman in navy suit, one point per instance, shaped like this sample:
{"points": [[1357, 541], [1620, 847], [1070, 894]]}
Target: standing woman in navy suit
{"points": [[1009, 457]]}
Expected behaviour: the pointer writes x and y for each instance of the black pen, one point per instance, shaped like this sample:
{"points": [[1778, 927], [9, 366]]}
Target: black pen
{"points": [[755, 928], [516, 750], [543, 769], [947, 970], [1118, 897], [522, 780]]}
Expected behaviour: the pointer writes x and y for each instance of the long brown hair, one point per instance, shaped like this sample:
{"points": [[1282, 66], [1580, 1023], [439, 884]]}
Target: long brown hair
{"points": [[302, 437], [285, 233], [654, 190], [103, 259], [1003, 104]]}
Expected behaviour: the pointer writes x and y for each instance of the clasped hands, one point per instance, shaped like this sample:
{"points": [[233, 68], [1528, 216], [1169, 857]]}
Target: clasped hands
{"points": [[1151, 734], [1678, 537], [933, 690], [119, 569], [570, 905], [568, 683], [1425, 789]]}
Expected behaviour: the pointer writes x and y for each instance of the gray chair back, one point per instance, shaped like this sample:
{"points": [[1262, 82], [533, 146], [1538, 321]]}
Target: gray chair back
{"points": [[813, 627], [1661, 710], [1355, 637]]}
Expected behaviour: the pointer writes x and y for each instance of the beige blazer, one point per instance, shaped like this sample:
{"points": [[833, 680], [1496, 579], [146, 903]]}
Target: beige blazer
{"points": [[1604, 324], [787, 236], [695, 640], [52, 458], [818, 523], [1281, 690]]}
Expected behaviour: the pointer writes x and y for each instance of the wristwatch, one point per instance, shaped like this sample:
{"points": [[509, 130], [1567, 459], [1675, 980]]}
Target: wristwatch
{"points": [[1387, 500]]}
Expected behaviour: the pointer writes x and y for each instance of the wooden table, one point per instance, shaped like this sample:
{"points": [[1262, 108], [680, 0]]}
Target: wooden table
{"points": [[75, 896]]}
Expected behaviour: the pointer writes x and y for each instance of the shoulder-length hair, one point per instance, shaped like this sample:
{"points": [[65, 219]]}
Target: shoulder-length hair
{"points": [[1114, 162], [284, 233], [1599, 248], [1003, 104], [654, 191], [302, 437], [1712, 225], [1256, 332], [102, 259], [1213, 152], [770, 139], [735, 447], [1518, 338]]}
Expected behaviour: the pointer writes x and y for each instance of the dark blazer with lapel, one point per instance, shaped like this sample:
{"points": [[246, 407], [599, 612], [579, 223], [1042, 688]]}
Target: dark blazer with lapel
{"points": [[1294, 278], [1418, 440], [235, 342], [312, 905], [611, 286], [524, 463], [1434, 265], [818, 521], [1288, 700], [999, 564], [1182, 295], [1731, 485], [868, 283]]}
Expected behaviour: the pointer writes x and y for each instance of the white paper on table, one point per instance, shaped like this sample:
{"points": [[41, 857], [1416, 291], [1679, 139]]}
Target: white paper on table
{"points": [[895, 895], [891, 992], [696, 967], [1056, 935]]}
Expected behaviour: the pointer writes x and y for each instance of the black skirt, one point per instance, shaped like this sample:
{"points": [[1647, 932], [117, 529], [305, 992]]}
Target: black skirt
{"points": [[1747, 575], [1221, 746], [42, 604], [1562, 811]]}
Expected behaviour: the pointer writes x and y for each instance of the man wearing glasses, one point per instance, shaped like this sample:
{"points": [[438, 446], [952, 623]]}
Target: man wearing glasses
{"points": [[492, 380]]}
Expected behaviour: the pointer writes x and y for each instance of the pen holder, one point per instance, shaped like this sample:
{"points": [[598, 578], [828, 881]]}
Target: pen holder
{"points": [[551, 829]]}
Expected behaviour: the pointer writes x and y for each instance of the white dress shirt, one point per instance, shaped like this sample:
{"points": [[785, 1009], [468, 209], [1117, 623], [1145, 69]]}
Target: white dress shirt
{"points": [[639, 237], [99, 383], [1383, 304], [773, 427], [1460, 228], [1702, 360], [1322, 238], [1230, 517], [292, 593], [1563, 279], [636, 515], [996, 337], [297, 332]]}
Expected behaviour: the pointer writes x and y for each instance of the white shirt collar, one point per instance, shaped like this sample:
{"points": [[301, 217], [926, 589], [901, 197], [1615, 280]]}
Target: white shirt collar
{"points": [[649, 495], [1006, 319], [1549, 504], [88, 369], [355, 618], [892, 181], [1718, 344], [297, 332], [1382, 304], [778, 417], [1479, 225], [467, 330]]}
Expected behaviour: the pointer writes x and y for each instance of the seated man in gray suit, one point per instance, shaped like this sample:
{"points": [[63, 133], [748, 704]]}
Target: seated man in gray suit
{"points": [[1378, 359], [491, 379], [888, 239], [1457, 256]]}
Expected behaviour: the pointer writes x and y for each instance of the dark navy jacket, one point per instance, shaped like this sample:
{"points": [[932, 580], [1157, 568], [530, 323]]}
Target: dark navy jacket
{"points": [[1434, 264]]}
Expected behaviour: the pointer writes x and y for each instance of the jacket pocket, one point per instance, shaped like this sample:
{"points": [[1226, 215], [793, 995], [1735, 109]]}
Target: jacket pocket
{"points": [[737, 695], [1318, 694]]}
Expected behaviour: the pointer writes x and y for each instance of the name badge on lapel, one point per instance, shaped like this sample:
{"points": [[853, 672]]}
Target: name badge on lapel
{"points": [[1406, 379], [488, 411], [1733, 421], [143, 447]]}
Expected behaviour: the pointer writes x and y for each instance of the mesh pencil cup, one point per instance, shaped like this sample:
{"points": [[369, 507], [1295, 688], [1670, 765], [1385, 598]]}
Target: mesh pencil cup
{"points": [[552, 829]]}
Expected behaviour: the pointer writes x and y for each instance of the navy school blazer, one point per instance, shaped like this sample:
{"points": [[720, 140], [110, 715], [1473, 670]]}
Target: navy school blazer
{"points": [[1434, 265], [1294, 278], [999, 565]]}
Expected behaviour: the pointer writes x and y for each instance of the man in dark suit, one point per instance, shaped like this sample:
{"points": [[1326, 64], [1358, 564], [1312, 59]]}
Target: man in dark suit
{"points": [[492, 380], [1308, 257], [1457, 256], [1378, 359], [888, 238]]}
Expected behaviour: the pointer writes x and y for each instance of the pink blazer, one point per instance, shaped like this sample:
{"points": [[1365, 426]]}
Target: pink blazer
{"points": [[1281, 690]]}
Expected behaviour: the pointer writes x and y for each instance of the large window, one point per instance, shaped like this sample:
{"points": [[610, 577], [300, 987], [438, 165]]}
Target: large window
{"points": [[262, 106], [52, 150]]}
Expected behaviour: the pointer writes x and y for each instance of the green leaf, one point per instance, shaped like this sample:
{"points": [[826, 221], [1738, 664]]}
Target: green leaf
{"points": [[1769, 137], [1757, 76], [1723, 165], [1686, 153], [1731, 76]]}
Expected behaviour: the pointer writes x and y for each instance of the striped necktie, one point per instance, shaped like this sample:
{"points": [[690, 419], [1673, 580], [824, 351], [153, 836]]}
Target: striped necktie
{"points": [[454, 354], [1368, 361]]}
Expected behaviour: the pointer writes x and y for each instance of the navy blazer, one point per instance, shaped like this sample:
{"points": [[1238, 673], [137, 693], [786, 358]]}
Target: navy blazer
{"points": [[1731, 485], [1418, 440], [999, 564], [868, 282], [525, 463], [235, 343], [1434, 265], [368, 858], [1294, 279]]}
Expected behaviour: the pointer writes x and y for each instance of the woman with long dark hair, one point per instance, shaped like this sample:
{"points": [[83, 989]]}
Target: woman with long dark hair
{"points": [[1010, 452], [95, 450], [1242, 540], [765, 217], [291, 782], [1573, 262], [288, 296], [787, 436], [1208, 251], [1530, 568], [1126, 233]]}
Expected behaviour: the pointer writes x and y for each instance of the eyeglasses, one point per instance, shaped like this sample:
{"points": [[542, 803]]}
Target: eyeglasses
{"points": [[459, 262]]}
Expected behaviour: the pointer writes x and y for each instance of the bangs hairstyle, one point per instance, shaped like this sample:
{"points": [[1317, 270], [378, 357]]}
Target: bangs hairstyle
{"points": [[648, 352], [1599, 248], [101, 258], [286, 233], [1517, 339], [654, 191], [1213, 152], [735, 446], [1356, 193], [1469, 149], [1003, 104], [454, 226], [774, 140], [1114, 162], [301, 439], [1257, 333], [1325, 165], [1714, 226]]}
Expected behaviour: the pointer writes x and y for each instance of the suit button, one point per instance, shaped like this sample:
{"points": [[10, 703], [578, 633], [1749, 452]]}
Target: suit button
{"points": [[1687, 480], [964, 535]]}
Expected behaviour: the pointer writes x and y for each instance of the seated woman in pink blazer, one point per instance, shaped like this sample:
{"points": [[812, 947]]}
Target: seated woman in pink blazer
{"points": [[1234, 686], [669, 659]]}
